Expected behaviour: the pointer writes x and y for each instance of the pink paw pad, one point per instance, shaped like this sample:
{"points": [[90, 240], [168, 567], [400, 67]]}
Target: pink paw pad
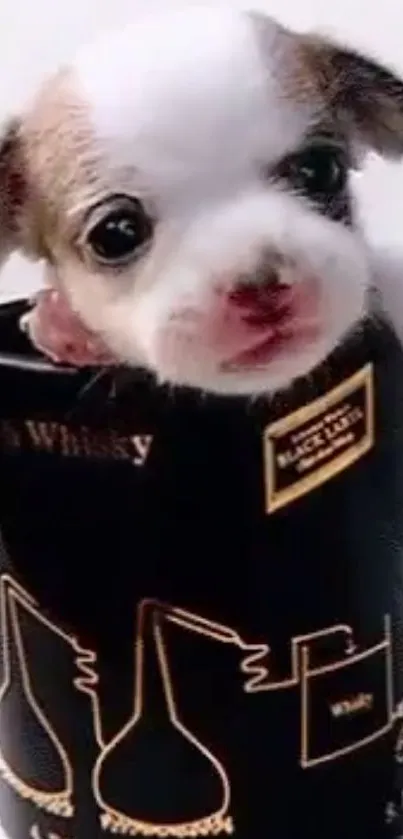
{"points": [[57, 332]]}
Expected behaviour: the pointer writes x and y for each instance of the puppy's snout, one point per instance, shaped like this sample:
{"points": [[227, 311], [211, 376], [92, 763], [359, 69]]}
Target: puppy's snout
{"points": [[259, 304], [265, 294], [258, 286]]}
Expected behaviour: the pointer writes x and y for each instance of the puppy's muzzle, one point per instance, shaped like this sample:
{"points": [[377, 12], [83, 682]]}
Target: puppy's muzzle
{"points": [[249, 323]]}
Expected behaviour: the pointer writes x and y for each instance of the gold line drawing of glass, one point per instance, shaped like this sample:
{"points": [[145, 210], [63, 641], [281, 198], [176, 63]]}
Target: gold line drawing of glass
{"points": [[200, 804], [16, 691], [51, 785]]}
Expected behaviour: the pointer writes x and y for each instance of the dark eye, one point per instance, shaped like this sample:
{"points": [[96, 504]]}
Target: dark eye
{"points": [[319, 171], [120, 228]]}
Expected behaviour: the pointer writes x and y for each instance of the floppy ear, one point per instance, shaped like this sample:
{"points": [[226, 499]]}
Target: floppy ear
{"points": [[12, 189], [361, 93]]}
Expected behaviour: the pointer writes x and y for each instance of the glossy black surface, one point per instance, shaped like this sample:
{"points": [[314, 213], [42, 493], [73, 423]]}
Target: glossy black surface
{"points": [[91, 534]]}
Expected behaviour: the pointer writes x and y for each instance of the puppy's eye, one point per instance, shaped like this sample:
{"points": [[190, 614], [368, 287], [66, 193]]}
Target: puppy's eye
{"points": [[317, 171], [118, 231]]}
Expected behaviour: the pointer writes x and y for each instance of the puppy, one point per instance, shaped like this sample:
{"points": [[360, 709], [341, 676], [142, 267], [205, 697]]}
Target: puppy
{"points": [[187, 182]]}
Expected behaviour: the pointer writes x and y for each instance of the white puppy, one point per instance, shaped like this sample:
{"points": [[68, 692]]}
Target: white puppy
{"points": [[187, 180]]}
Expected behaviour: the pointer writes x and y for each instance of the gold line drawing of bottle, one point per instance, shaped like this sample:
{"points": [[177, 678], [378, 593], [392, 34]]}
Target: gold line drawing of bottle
{"points": [[185, 791], [256, 664], [202, 796], [17, 696], [381, 653]]}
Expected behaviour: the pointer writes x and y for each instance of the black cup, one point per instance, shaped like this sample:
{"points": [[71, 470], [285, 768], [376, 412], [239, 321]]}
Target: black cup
{"points": [[201, 601]]}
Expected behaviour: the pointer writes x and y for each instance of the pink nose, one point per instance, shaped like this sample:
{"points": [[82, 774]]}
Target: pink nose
{"points": [[237, 319], [261, 304]]}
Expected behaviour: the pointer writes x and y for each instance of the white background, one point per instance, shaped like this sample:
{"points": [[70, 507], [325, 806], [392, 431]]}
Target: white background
{"points": [[36, 35]]}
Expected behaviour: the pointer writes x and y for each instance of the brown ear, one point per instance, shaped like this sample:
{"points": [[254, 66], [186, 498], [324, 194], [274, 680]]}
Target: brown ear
{"points": [[12, 189], [361, 93]]}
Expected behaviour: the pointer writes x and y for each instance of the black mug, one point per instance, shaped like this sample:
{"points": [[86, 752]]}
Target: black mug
{"points": [[201, 601]]}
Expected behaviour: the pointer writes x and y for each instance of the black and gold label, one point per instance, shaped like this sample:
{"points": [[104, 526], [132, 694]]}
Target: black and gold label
{"points": [[320, 440]]}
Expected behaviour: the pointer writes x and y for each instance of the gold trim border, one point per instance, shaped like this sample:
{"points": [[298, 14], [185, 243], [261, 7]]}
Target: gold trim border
{"points": [[277, 499]]}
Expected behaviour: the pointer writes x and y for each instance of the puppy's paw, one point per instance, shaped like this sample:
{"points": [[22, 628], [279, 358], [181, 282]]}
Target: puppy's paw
{"points": [[57, 332]]}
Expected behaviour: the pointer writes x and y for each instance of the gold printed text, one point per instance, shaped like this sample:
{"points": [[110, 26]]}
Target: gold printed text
{"points": [[352, 705], [318, 441], [78, 441]]}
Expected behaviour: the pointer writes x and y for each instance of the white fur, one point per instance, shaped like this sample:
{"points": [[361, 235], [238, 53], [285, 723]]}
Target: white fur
{"points": [[185, 99], [189, 106], [224, 241], [187, 109]]}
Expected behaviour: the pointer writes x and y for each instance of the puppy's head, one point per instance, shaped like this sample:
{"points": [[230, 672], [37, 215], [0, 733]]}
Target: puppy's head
{"points": [[188, 180]]}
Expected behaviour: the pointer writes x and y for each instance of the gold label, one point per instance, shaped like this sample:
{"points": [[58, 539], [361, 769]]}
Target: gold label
{"points": [[320, 440]]}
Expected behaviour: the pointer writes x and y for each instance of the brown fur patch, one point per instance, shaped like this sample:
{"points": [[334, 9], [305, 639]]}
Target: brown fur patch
{"points": [[59, 156], [360, 94], [13, 185], [280, 48]]}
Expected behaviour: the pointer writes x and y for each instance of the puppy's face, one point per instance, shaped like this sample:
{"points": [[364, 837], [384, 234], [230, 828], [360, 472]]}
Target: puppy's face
{"points": [[187, 180]]}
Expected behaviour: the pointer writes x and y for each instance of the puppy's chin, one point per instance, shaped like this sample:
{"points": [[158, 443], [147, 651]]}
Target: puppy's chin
{"points": [[269, 357], [195, 351], [246, 379], [198, 352], [181, 358]]}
